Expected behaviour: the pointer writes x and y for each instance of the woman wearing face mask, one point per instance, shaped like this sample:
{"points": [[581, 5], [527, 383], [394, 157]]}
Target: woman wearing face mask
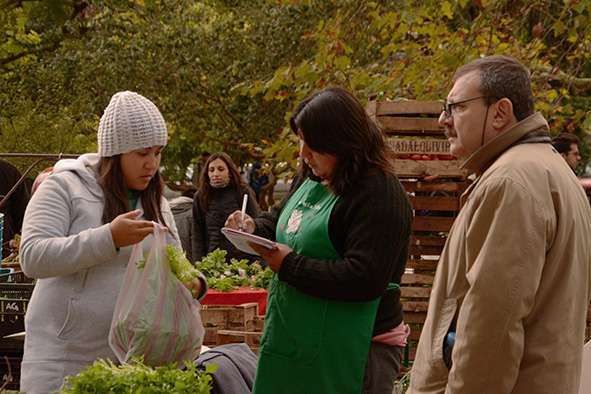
{"points": [[221, 192], [78, 235], [334, 317]]}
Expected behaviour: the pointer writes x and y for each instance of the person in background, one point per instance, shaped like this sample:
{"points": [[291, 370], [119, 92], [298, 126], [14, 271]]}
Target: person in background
{"points": [[80, 228], [513, 280], [256, 180], [182, 210], [568, 146], [14, 207], [221, 192], [334, 319]]}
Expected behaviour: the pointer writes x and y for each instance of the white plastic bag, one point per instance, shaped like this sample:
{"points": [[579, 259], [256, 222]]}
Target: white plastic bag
{"points": [[155, 315]]}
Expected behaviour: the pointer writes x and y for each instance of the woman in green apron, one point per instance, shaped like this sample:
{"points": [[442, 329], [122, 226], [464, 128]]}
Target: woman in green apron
{"points": [[334, 318]]}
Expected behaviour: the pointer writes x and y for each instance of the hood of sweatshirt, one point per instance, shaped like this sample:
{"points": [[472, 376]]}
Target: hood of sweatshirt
{"points": [[83, 167]]}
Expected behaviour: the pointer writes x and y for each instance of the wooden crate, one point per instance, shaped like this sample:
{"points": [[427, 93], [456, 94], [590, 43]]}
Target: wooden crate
{"points": [[434, 187], [227, 317], [436, 205], [406, 118], [251, 338]]}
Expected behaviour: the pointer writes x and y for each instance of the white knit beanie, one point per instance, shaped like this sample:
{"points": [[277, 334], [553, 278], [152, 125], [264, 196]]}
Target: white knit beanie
{"points": [[130, 122]]}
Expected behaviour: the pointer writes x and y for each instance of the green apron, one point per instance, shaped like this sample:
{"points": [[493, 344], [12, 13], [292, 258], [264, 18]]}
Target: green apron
{"points": [[312, 345]]}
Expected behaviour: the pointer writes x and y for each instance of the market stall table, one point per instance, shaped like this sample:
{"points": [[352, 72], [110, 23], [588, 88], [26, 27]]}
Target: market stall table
{"points": [[236, 297]]}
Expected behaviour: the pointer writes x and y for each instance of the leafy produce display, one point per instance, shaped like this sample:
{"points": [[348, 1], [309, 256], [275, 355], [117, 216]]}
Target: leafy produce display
{"points": [[106, 377], [224, 276], [14, 256]]}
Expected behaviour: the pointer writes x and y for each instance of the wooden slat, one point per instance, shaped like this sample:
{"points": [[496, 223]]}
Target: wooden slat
{"points": [[415, 292], [408, 107], [430, 146], [431, 224], [414, 317], [427, 240], [435, 203], [422, 264], [258, 323], [415, 306], [417, 279], [419, 127], [414, 335], [437, 186], [230, 316], [423, 168], [251, 338], [370, 108], [425, 250]]}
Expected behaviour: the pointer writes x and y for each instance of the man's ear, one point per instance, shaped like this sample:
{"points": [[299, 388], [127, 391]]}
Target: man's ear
{"points": [[563, 156], [504, 116]]}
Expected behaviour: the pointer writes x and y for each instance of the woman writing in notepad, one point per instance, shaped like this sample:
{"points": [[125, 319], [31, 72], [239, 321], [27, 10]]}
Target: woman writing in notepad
{"points": [[334, 318], [221, 192]]}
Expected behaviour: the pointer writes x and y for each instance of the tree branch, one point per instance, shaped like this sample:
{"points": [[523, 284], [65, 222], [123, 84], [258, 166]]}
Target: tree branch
{"points": [[552, 74]]}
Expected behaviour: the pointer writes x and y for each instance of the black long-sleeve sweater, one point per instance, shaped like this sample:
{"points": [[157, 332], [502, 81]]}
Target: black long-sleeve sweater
{"points": [[369, 227]]}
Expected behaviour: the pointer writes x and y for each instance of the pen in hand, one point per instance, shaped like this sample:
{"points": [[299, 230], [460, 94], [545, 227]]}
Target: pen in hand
{"points": [[244, 201]]}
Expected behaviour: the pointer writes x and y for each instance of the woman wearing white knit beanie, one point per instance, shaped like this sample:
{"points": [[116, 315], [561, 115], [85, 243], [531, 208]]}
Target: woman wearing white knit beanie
{"points": [[78, 234]]}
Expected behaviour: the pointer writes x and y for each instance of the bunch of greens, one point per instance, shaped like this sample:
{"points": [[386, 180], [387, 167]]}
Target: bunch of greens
{"points": [[224, 276], [105, 377], [180, 266], [14, 245]]}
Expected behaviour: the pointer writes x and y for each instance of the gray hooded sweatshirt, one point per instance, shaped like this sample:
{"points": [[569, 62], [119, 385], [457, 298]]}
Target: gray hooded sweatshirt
{"points": [[65, 245]]}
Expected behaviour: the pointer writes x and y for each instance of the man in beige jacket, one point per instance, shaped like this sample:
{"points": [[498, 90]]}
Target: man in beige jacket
{"points": [[513, 282]]}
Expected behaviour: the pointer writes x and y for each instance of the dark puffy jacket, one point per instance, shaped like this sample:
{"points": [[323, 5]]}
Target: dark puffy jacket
{"points": [[206, 235]]}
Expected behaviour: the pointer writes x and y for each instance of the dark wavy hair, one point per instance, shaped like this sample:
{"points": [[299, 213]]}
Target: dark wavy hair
{"points": [[115, 195], [236, 181], [332, 121]]}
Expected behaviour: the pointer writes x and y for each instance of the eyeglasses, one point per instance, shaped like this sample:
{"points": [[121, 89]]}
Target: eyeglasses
{"points": [[447, 106]]}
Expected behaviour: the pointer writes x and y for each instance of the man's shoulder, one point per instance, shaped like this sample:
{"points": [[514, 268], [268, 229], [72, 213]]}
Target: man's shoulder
{"points": [[534, 169], [529, 159]]}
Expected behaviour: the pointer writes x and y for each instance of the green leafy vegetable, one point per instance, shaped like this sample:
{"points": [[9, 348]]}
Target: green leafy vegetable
{"points": [[106, 377], [224, 276], [180, 266]]}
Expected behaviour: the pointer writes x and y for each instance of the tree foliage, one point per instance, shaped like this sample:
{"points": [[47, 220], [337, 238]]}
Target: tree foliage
{"points": [[227, 73]]}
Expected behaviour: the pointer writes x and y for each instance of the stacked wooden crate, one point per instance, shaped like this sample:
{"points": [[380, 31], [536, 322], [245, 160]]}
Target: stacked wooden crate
{"points": [[434, 182], [231, 324]]}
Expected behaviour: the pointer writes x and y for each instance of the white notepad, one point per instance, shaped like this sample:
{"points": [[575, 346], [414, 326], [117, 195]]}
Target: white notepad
{"points": [[240, 239]]}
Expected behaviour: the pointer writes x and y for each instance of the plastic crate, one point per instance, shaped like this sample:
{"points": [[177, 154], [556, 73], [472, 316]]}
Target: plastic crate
{"points": [[10, 366], [17, 276], [14, 298]]}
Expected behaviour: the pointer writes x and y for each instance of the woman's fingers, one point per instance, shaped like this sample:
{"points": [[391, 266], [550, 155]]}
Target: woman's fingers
{"points": [[126, 230], [235, 222]]}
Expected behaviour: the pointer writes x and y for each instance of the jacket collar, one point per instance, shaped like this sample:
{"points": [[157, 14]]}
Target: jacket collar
{"points": [[534, 128]]}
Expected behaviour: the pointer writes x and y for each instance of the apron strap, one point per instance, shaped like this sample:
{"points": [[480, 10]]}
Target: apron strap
{"points": [[392, 285]]}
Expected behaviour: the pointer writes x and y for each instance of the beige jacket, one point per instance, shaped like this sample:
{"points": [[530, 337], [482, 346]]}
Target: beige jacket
{"points": [[514, 276]]}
